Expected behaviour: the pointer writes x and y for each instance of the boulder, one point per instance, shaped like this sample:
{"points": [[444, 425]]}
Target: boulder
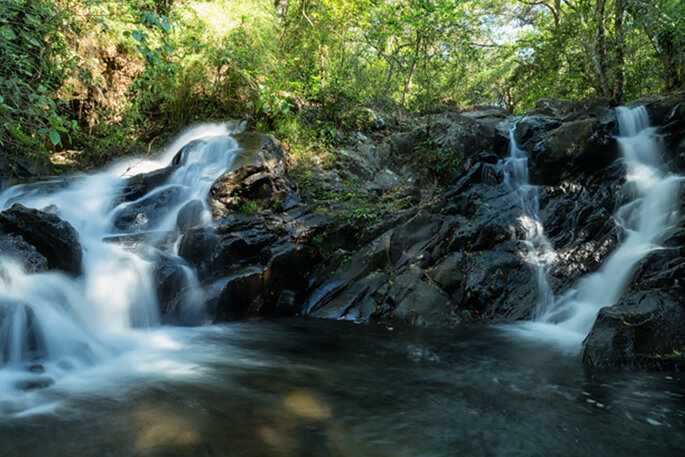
{"points": [[172, 282], [191, 215], [52, 237], [585, 144], [260, 177], [242, 296], [141, 184], [643, 331], [14, 247], [143, 214]]}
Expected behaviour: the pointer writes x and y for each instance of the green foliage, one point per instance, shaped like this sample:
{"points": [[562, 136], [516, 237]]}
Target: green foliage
{"points": [[435, 162], [248, 207], [74, 70], [33, 64]]}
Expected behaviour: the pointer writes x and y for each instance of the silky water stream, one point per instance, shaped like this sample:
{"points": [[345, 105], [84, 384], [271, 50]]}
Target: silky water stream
{"points": [[102, 377]]}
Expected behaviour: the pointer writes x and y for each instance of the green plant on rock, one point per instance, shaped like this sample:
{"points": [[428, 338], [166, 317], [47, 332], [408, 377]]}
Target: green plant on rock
{"points": [[438, 163], [249, 207]]}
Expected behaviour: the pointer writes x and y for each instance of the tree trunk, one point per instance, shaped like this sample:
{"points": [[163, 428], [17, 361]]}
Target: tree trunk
{"points": [[599, 49], [617, 91], [415, 61]]}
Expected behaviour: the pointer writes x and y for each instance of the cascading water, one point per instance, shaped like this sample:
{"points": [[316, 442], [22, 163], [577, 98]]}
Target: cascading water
{"points": [[52, 325], [646, 221], [537, 250]]}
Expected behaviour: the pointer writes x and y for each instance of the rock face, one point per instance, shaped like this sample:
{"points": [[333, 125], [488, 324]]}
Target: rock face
{"points": [[647, 327], [14, 247], [415, 226], [262, 181], [52, 237]]}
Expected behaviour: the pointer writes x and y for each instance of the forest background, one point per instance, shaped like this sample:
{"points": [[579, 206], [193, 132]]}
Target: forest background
{"points": [[97, 79]]}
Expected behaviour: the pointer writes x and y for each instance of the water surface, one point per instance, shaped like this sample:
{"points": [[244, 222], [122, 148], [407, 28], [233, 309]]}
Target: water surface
{"points": [[331, 388]]}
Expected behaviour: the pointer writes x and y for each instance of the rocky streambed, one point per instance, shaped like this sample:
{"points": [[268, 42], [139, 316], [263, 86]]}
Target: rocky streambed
{"points": [[373, 237]]}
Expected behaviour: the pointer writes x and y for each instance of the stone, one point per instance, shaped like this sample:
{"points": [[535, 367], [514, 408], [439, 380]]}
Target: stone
{"points": [[139, 185], [643, 331], [14, 247], [191, 215], [242, 296], [52, 237], [143, 214]]}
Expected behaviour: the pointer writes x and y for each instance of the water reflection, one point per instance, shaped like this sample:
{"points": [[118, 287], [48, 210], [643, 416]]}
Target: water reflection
{"points": [[319, 388]]}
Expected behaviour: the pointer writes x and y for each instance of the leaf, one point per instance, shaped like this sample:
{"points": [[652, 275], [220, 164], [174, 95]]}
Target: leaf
{"points": [[54, 137], [9, 33], [137, 36], [165, 26]]}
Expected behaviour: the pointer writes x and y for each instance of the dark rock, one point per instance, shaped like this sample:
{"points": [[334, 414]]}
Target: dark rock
{"points": [[171, 282], [52, 237], [288, 268], [200, 247], [401, 145], [141, 184], [145, 213], [261, 179], [585, 144], [34, 383], [449, 276], [420, 303], [646, 331], [14, 247], [570, 110], [412, 237], [242, 296], [191, 215], [498, 284], [353, 302]]}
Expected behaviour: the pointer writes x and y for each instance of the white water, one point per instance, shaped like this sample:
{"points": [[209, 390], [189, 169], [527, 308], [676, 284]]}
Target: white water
{"points": [[537, 250], [66, 327], [645, 221]]}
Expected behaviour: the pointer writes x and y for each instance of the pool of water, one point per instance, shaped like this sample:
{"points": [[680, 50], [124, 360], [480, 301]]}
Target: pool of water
{"points": [[330, 388]]}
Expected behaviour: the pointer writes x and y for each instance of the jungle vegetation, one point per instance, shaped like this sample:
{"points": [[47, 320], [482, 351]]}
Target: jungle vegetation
{"points": [[112, 76]]}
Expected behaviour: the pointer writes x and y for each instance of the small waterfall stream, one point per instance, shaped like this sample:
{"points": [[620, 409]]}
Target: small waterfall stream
{"points": [[537, 250], [646, 221], [53, 325]]}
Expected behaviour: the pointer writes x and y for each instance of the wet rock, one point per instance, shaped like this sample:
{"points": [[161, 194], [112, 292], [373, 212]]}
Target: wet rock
{"points": [[357, 301], [449, 276], [661, 108], [171, 281], [412, 237], [421, 303], [645, 330], [191, 215], [242, 296], [261, 180], [139, 185], [52, 237], [14, 247], [200, 248], [585, 144], [34, 383], [497, 283], [145, 213]]}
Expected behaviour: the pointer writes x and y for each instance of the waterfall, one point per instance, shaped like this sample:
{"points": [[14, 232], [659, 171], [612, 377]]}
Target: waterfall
{"points": [[645, 221], [537, 250], [52, 324]]}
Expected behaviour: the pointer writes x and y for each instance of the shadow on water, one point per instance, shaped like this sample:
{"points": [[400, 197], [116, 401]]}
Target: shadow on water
{"points": [[320, 388]]}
